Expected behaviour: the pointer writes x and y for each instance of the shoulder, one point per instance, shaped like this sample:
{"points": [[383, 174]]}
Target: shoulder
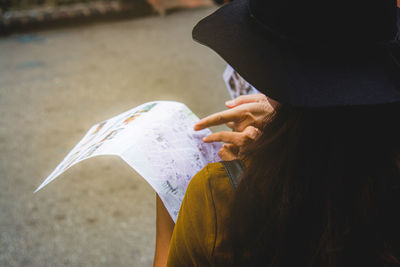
{"points": [[211, 178], [196, 231], [210, 190], [203, 193]]}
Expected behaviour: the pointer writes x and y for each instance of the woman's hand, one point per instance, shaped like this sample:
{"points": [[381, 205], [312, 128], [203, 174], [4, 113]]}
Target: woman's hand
{"points": [[245, 117], [245, 110], [235, 142]]}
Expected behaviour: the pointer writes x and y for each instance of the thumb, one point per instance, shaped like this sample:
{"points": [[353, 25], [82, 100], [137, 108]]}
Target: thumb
{"points": [[243, 99]]}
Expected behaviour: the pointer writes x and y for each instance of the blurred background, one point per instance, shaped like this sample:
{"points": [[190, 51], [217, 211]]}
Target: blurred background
{"points": [[64, 66]]}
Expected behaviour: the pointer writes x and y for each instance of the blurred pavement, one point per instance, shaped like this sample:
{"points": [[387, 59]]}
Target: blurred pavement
{"points": [[54, 85]]}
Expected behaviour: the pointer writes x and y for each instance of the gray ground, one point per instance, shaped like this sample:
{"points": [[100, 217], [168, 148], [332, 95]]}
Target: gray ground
{"points": [[53, 86]]}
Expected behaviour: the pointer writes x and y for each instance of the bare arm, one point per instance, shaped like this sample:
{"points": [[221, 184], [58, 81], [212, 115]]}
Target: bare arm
{"points": [[164, 228]]}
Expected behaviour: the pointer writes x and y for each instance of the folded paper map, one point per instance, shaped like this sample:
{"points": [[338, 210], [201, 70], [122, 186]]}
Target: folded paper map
{"points": [[236, 84], [157, 140]]}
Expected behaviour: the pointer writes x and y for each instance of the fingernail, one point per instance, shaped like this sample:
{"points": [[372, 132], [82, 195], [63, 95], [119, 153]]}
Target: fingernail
{"points": [[230, 103]]}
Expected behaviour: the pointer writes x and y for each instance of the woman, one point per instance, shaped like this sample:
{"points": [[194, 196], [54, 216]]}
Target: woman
{"points": [[321, 185]]}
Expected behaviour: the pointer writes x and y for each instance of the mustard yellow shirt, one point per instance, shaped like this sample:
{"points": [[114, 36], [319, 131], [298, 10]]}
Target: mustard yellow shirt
{"points": [[200, 231]]}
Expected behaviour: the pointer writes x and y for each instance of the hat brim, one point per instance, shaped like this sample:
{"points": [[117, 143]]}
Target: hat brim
{"points": [[296, 75]]}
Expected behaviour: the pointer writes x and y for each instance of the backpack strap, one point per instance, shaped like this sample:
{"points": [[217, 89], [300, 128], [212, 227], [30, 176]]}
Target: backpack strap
{"points": [[234, 169]]}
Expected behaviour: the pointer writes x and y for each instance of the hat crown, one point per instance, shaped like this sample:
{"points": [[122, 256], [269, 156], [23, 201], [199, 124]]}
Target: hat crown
{"points": [[339, 21]]}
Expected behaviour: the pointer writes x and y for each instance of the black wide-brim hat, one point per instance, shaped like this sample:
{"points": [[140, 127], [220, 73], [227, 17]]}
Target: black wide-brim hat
{"points": [[310, 53]]}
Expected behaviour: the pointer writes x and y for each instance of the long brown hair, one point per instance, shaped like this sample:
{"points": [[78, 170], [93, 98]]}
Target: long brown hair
{"points": [[321, 188]]}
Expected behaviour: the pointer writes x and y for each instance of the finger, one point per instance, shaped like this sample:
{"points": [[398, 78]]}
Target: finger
{"points": [[234, 138], [247, 119], [243, 99], [225, 154], [252, 114], [217, 119], [252, 133], [235, 149], [231, 125]]}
